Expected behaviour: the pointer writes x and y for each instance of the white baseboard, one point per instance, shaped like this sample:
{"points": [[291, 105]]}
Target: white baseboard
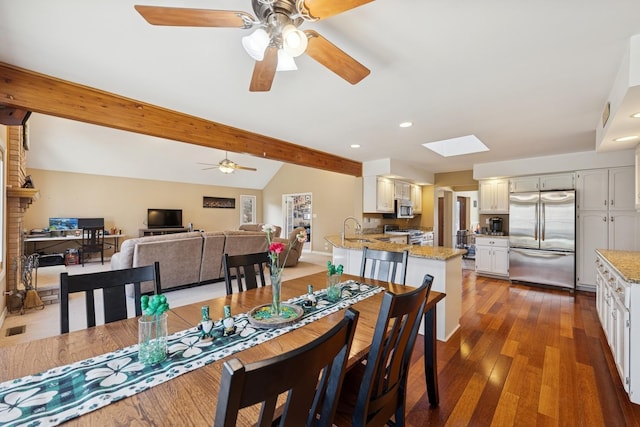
{"points": [[3, 316]]}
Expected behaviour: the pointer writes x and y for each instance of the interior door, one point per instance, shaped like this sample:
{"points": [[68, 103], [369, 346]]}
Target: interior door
{"points": [[296, 209]]}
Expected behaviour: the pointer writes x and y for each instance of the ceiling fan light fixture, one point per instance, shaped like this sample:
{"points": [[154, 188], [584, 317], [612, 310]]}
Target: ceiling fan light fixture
{"points": [[294, 41], [285, 62], [256, 43]]}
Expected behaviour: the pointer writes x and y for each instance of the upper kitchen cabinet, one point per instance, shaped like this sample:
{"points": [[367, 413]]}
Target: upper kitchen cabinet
{"points": [[416, 198], [378, 193], [606, 189], [494, 196], [402, 190], [559, 181]]}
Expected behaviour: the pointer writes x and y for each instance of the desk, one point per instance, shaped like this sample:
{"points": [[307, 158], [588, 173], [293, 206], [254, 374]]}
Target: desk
{"points": [[190, 399], [54, 241]]}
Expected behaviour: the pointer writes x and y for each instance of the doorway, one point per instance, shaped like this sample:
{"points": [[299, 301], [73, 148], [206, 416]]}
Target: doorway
{"points": [[296, 210]]}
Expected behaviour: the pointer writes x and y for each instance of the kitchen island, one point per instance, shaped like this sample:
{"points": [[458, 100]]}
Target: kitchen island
{"points": [[444, 264]]}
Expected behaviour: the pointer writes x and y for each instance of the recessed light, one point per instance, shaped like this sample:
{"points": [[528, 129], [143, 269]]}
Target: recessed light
{"points": [[457, 146], [626, 138], [636, 116], [355, 146], [406, 124]]}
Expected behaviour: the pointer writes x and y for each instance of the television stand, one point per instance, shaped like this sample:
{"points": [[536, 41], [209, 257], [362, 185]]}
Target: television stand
{"points": [[160, 231]]}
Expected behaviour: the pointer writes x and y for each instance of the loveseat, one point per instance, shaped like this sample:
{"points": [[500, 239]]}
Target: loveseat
{"points": [[192, 258]]}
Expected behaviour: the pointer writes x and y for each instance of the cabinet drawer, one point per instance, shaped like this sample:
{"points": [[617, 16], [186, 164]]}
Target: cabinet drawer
{"points": [[492, 241]]}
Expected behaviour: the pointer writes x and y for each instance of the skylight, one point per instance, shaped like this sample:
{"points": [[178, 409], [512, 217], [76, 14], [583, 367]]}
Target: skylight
{"points": [[457, 146]]}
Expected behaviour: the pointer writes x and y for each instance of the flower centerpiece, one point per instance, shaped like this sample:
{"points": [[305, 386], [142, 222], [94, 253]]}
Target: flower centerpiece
{"points": [[152, 329], [276, 264]]}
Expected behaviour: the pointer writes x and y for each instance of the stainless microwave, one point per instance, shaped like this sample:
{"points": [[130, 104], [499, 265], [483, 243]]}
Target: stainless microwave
{"points": [[403, 208]]}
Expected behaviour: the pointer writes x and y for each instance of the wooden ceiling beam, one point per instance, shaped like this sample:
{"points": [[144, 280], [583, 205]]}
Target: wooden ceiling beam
{"points": [[30, 91]]}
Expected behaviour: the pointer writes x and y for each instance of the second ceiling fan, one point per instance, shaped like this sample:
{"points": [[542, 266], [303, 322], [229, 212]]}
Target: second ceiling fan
{"points": [[277, 39]]}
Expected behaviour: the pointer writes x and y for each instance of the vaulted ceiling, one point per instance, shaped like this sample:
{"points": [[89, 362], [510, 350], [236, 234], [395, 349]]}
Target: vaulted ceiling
{"points": [[527, 78]]}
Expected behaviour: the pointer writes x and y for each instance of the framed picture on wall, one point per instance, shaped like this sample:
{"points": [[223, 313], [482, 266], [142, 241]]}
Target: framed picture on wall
{"points": [[247, 209]]}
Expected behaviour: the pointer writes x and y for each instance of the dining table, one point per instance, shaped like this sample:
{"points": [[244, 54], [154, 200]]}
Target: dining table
{"points": [[190, 398]]}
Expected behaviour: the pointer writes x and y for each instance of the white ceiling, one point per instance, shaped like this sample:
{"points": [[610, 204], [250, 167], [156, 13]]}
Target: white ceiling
{"points": [[528, 78]]}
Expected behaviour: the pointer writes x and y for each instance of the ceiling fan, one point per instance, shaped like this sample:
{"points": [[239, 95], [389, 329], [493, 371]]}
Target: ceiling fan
{"points": [[227, 166], [277, 39]]}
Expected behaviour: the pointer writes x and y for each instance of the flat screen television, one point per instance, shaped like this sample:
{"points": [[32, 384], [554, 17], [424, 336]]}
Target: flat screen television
{"points": [[164, 218]]}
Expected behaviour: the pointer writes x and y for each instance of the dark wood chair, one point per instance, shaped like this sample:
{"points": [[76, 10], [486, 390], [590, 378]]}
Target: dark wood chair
{"points": [[311, 376], [375, 391], [385, 265], [248, 266], [113, 284], [92, 242]]}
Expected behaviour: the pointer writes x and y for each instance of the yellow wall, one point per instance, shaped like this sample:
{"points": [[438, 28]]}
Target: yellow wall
{"points": [[334, 197], [123, 202], [458, 181]]}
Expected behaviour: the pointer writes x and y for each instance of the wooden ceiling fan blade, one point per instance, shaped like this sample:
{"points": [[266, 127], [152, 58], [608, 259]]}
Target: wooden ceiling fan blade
{"points": [[246, 168], [264, 71], [335, 59], [321, 9], [181, 17]]}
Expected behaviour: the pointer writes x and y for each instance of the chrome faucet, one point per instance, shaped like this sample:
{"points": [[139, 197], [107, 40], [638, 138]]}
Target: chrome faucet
{"points": [[344, 226]]}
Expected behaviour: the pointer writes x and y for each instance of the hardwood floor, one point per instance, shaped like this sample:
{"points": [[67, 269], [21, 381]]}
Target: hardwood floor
{"points": [[523, 356]]}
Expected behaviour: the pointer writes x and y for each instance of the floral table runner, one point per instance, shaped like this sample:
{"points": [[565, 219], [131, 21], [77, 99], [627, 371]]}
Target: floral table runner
{"points": [[66, 392]]}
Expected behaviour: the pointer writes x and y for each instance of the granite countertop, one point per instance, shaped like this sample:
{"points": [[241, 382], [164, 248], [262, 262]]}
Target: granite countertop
{"points": [[490, 236], [370, 240], [627, 263]]}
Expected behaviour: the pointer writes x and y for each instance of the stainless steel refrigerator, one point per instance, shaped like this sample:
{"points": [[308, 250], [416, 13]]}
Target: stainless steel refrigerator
{"points": [[542, 238]]}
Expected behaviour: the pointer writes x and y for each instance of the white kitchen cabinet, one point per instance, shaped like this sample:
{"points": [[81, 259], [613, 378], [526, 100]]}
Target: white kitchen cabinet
{"points": [[621, 189], [615, 301], [492, 256], [494, 196], [416, 198], [378, 194], [606, 218], [556, 181], [402, 190], [523, 184]]}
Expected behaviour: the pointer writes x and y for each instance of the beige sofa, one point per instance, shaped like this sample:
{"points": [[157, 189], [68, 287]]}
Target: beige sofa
{"points": [[296, 248], [187, 259], [258, 227]]}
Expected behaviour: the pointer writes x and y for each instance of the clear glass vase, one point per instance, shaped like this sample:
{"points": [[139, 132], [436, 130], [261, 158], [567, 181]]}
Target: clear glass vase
{"points": [[334, 289], [276, 282], [152, 338]]}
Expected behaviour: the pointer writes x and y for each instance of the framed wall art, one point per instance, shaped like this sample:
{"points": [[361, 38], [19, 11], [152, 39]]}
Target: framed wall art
{"points": [[218, 202], [247, 209]]}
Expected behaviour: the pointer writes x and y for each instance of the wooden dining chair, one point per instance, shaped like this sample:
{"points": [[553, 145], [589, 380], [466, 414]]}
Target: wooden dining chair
{"points": [[311, 376], [92, 242], [375, 391], [245, 269], [113, 285], [384, 265]]}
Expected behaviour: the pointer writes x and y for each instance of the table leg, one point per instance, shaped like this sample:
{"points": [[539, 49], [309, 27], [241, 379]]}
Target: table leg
{"points": [[430, 362]]}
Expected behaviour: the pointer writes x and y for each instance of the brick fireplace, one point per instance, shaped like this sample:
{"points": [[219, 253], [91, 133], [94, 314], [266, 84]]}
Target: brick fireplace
{"points": [[18, 200]]}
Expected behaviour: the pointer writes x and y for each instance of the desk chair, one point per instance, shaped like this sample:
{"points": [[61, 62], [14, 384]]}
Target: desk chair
{"points": [[376, 391], [311, 376], [92, 242], [384, 264], [248, 266], [113, 285]]}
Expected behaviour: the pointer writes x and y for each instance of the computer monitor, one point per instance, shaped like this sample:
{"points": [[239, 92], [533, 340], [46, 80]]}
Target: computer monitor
{"points": [[63, 223]]}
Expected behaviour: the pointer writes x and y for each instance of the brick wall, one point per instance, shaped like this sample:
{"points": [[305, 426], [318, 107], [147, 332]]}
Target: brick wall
{"points": [[16, 164]]}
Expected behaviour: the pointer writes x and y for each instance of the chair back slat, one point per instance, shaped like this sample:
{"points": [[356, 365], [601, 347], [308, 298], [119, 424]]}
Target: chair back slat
{"points": [[384, 265], [113, 284], [311, 376], [246, 269]]}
